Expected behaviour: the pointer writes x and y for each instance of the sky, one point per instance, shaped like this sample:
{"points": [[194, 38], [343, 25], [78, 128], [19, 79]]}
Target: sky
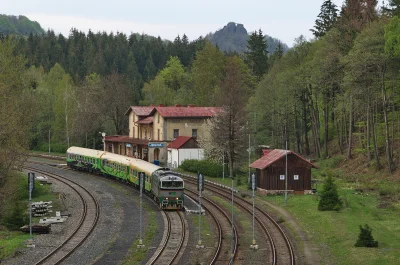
{"points": [[284, 20]]}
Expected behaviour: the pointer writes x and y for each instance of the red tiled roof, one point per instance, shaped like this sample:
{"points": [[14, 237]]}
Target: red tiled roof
{"points": [[147, 120], [140, 110], [125, 139], [273, 156], [187, 111], [179, 142]]}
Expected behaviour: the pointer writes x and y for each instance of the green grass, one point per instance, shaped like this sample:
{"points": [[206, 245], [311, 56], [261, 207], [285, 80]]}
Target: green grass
{"points": [[226, 181], [136, 255], [206, 233], [47, 153], [10, 241], [336, 232]]}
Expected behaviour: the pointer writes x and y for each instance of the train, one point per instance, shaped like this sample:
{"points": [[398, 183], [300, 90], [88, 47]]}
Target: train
{"points": [[162, 184]]}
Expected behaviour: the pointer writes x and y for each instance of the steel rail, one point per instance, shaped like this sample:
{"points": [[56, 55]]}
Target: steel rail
{"points": [[85, 227]]}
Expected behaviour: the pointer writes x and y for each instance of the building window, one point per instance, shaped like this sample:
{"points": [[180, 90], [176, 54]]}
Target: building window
{"points": [[194, 133], [176, 133], [133, 132], [296, 177], [158, 134], [158, 118], [282, 177], [145, 134]]}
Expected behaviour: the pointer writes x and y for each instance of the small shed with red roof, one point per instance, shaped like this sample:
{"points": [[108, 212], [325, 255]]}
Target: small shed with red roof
{"points": [[182, 148], [271, 172]]}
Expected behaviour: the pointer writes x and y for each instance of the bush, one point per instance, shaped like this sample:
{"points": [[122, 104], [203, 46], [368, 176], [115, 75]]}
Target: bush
{"points": [[54, 148], [330, 200], [16, 216], [14, 212], [365, 239], [205, 167], [387, 191]]}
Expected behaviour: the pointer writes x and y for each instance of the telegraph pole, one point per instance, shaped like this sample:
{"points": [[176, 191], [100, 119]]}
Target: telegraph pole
{"points": [[49, 141], [223, 165], [200, 188], [248, 179], [286, 176], [31, 180], [233, 224], [253, 186], [141, 180]]}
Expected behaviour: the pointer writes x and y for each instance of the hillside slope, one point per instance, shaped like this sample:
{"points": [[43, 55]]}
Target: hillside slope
{"points": [[19, 25]]}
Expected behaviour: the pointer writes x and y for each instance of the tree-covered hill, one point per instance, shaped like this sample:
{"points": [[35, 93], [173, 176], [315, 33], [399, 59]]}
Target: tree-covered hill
{"points": [[234, 37], [19, 25]]}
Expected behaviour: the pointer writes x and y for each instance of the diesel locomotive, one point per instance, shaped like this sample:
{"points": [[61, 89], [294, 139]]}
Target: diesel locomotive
{"points": [[163, 185]]}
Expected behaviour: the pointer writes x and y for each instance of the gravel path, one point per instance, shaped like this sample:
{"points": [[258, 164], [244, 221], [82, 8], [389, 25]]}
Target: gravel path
{"points": [[117, 229]]}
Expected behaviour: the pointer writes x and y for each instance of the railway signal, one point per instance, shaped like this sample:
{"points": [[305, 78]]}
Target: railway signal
{"points": [[141, 183], [200, 182]]}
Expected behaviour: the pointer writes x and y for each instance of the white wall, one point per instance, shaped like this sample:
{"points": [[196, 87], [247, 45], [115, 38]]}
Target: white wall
{"points": [[177, 156]]}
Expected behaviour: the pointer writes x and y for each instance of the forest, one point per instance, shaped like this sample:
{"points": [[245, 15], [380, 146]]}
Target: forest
{"points": [[337, 93]]}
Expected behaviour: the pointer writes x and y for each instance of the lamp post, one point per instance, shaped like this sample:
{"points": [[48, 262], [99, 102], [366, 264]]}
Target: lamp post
{"points": [[104, 140]]}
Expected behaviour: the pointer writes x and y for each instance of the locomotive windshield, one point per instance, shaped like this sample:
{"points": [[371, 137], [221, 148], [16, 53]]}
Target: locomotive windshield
{"points": [[167, 184]]}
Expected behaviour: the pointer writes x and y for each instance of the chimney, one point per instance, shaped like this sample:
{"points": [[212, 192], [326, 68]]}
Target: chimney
{"points": [[192, 105], [161, 105], [178, 105]]}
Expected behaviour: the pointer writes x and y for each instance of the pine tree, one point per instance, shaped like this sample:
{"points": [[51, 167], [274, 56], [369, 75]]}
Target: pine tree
{"points": [[330, 200], [326, 18], [276, 55], [365, 238], [257, 55]]}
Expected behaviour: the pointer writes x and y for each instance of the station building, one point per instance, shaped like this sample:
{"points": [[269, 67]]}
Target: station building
{"points": [[155, 133]]}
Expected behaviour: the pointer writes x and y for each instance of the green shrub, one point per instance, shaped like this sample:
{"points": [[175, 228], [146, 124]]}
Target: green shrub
{"points": [[205, 167], [16, 216], [365, 238], [55, 148], [22, 192], [387, 190], [330, 200]]}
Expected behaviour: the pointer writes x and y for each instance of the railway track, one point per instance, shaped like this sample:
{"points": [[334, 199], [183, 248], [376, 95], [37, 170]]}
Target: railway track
{"points": [[88, 221], [281, 248], [173, 242], [224, 253], [174, 239]]}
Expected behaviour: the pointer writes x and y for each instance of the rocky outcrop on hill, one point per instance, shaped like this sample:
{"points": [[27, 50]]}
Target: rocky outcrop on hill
{"points": [[233, 38]]}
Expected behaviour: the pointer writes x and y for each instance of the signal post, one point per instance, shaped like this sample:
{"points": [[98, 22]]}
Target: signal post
{"points": [[200, 188]]}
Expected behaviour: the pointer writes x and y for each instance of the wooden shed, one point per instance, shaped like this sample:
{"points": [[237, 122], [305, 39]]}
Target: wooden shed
{"points": [[271, 168]]}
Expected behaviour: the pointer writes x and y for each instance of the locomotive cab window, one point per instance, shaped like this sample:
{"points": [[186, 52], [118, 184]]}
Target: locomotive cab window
{"points": [[171, 184]]}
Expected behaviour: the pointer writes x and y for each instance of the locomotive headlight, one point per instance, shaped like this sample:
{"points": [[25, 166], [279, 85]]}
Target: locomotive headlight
{"points": [[166, 198], [177, 198]]}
